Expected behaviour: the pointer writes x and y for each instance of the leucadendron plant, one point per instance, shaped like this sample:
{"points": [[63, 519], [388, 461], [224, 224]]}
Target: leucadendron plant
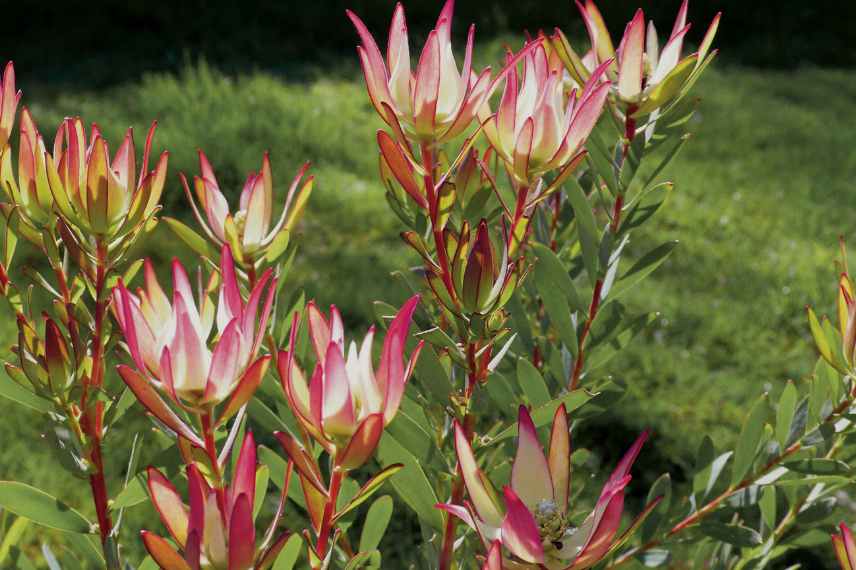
{"points": [[519, 191]]}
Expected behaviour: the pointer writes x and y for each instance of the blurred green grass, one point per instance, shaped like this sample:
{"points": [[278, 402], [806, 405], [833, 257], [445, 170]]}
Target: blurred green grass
{"points": [[762, 193]]}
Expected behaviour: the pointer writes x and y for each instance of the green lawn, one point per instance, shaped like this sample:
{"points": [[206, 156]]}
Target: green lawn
{"points": [[763, 191]]}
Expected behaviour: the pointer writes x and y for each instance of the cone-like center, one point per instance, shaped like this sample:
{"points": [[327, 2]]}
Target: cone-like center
{"points": [[240, 221], [552, 524]]}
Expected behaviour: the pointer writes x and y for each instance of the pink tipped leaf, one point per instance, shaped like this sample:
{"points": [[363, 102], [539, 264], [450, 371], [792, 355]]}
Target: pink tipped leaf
{"points": [[426, 88], [163, 553], [559, 458], [173, 512], [374, 70], [153, 403], [224, 364], [530, 473], [630, 58], [337, 404], [482, 497], [319, 329], [494, 557], [363, 443], [302, 459], [245, 389], [242, 534], [520, 531], [391, 374]]}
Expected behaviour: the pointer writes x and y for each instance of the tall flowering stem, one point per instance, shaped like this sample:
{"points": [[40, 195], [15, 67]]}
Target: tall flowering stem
{"points": [[83, 211], [343, 407]]}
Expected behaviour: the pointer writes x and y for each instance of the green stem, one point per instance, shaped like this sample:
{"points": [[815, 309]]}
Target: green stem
{"points": [[750, 480]]}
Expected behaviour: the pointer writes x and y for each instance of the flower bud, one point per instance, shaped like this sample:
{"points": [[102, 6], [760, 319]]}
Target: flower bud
{"points": [[535, 130], [437, 102], [168, 340], [9, 99], [97, 195], [532, 523], [347, 402], [646, 78], [249, 230]]}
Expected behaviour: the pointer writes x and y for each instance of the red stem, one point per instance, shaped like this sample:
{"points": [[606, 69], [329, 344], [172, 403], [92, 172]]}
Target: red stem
{"points": [[434, 214], [629, 128], [593, 308], [701, 513], [447, 549], [329, 511], [211, 451], [92, 415]]}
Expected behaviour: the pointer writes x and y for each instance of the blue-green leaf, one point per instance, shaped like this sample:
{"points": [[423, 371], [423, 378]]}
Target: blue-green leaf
{"points": [[41, 508], [376, 521]]}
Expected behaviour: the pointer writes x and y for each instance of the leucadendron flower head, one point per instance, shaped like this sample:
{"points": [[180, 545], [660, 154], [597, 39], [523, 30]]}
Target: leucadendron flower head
{"points": [[845, 547], [536, 128], [9, 99], [533, 526], [250, 230], [168, 341], [346, 403], [437, 102], [31, 193], [97, 196], [214, 529], [646, 77], [827, 337]]}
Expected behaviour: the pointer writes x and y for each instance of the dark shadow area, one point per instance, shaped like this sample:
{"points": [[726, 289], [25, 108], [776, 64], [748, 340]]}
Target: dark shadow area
{"points": [[98, 43]]}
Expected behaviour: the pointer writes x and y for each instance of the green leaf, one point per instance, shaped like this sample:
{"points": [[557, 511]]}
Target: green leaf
{"points": [[89, 547], [532, 383], [432, 375], [556, 307], [550, 269], [767, 504], [278, 246], [641, 269], [586, 227], [370, 488], [818, 466], [669, 156], [12, 536], [816, 480], [708, 474], [646, 205], [731, 533], [785, 413], [376, 521], [364, 560], [543, 415], [290, 552], [662, 487], [148, 564], [411, 484], [266, 417], [601, 353], [192, 239], [277, 466], [750, 437], [262, 480], [41, 508], [133, 494], [13, 391]]}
